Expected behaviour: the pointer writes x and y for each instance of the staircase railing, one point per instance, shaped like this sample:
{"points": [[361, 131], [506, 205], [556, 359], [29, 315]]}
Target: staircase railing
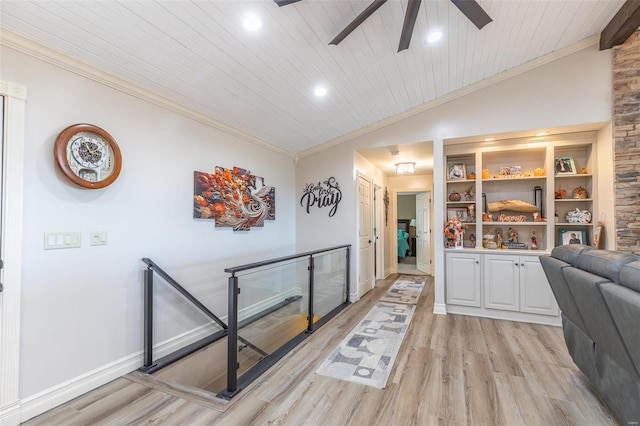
{"points": [[283, 302], [328, 281]]}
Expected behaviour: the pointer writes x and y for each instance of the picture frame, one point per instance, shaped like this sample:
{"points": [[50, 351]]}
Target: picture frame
{"points": [[461, 213], [572, 236], [456, 171], [510, 170], [564, 165]]}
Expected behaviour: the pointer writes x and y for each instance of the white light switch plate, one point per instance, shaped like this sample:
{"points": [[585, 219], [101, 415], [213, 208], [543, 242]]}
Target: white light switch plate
{"points": [[61, 240], [98, 238]]}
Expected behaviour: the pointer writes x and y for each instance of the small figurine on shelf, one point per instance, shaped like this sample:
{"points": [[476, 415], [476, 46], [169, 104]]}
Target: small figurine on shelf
{"points": [[513, 235], [534, 240], [472, 211], [468, 194], [499, 237]]}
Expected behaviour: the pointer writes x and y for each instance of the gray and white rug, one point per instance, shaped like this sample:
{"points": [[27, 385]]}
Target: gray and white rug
{"points": [[367, 354], [406, 289]]}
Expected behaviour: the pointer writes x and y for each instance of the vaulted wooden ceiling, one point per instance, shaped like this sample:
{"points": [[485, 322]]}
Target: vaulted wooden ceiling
{"points": [[198, 55]]}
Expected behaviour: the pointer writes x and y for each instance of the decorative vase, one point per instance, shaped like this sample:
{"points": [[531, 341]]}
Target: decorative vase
{"points": [[455, 196]]}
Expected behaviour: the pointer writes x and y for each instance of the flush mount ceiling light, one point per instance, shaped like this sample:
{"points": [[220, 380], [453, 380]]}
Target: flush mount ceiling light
{"points": [[405, 168], [252, 23], [469, 8]]}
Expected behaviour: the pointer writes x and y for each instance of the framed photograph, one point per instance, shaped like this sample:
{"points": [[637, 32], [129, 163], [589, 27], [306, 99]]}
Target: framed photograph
{"points": [[461, 213], [572, 236], [565, 166], [510, 170], [456, 171]]}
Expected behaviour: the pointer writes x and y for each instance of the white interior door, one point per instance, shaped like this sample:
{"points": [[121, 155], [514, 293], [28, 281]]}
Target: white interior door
{"points": [[423, 233], [365, 236]]}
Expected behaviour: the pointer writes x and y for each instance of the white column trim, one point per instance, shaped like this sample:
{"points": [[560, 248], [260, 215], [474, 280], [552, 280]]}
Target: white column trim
{"points": [[13, 165], [439, 306]]}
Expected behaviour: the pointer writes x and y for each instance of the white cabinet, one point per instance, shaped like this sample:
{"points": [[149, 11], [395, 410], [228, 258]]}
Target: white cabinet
{"points": [[463, 272], [517, 283], [499, 284], [502, 282], [536, 296]]}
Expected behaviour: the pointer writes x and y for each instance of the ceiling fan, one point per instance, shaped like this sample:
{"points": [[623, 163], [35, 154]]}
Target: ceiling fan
{"points": [[469, 8]]}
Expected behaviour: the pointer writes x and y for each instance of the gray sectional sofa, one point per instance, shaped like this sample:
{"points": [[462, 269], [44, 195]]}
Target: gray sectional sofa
{"points": [[598, 292]]}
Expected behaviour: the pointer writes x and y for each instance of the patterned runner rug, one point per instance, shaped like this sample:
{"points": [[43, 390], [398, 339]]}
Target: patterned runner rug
{"points": [[406, 289], [367, 354]]}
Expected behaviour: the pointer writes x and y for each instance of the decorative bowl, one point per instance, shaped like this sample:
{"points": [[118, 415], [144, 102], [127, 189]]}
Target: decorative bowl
{"points": [[578, 216]]}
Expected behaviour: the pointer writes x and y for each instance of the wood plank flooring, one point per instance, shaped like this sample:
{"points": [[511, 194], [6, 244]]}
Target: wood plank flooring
{"points": [[451, 370]]}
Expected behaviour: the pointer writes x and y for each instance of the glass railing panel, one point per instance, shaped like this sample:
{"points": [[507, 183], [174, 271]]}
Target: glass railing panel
{"points": [[187, 324], [330, 282], [272, 308]]}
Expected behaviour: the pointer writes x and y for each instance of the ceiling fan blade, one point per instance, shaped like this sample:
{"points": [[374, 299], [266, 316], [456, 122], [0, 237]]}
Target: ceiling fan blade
{"points": [[359, 20], [472, 10], [409, 22], [285, 2]]}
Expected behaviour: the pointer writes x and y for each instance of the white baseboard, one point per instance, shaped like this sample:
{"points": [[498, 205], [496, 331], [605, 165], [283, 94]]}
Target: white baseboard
{"points": [[41, 402], [10, 414], [440, 309]]}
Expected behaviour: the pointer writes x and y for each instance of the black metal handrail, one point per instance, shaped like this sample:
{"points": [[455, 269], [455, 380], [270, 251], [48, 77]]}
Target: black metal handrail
{"points": [[230, 330], [234, 383], [233, 270], [149, 364]]}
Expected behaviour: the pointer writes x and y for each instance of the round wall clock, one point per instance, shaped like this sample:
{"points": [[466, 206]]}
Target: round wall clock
{"points": [[88, 156]]}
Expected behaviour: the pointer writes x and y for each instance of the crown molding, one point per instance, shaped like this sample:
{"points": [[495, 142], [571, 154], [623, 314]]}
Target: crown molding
{"points": [[505, 75], [55, 57]]}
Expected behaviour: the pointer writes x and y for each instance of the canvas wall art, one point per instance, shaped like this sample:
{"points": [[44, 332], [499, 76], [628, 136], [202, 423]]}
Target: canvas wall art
{"points": [[233, 197]]}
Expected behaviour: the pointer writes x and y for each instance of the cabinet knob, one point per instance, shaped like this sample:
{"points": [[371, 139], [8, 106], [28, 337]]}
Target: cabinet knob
{"points": [[516, 263], [477, 261]]}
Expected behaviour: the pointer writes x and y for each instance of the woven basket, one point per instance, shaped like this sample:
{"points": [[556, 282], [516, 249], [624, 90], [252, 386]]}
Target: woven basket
{"points": [[580, 193]]}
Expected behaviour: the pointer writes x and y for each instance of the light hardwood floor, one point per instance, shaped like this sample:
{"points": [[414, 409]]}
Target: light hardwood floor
{"points": [[450, 370]]}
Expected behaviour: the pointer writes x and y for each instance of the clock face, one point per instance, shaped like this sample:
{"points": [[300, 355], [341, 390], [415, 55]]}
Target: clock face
{"points": [[88, 155]]}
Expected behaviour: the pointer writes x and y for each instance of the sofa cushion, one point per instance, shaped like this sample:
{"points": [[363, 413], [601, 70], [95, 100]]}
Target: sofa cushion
{"points": [[630, 275], [552, 268], [585, 289], [569, 253], [604, 263], [624, 305]]}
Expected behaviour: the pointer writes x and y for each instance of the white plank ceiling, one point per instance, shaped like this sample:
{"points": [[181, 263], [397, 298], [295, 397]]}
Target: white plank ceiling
{"points": [[197, 54]]}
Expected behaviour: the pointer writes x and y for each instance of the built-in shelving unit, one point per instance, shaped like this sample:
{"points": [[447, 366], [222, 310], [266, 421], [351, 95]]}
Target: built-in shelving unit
{"points": [[523, 170]]}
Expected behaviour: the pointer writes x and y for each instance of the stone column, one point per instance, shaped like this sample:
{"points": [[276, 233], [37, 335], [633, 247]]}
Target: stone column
{"points": [[626, 132]]}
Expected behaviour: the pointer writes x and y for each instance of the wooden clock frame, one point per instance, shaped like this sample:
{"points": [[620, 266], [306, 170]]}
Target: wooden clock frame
{"points": [[60, 153]]}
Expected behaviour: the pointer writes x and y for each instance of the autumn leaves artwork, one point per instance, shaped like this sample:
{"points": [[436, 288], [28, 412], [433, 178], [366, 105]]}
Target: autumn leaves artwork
{"points": [[233, 197]]}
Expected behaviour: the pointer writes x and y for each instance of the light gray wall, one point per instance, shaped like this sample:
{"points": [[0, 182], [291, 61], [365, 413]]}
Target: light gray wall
{"points": [[406, 206], [82, 308]]}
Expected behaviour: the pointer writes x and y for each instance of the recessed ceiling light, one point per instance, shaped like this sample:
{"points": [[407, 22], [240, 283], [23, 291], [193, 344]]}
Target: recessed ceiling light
{"points": [[320, 91], [252, 23], [542, 134], [434, 36], [489, 139]]}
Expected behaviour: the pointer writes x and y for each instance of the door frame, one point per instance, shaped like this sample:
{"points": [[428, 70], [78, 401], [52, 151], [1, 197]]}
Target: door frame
{"points": [[15, 97], [379, 224], [394, 242], [360, 260]]}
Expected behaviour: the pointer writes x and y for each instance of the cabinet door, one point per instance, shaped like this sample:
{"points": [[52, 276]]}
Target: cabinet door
{"points": [[501, 282], [463, 279], [535, 293]]}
